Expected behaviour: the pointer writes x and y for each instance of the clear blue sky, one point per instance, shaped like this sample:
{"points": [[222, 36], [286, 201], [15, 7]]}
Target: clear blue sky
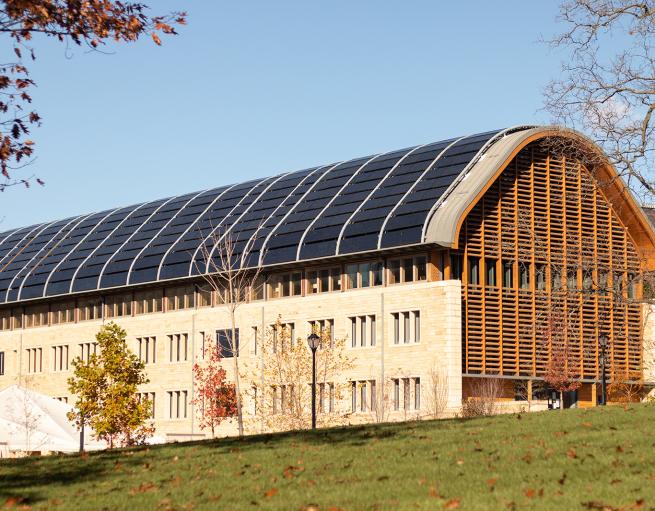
{"points": [[252, 89]]}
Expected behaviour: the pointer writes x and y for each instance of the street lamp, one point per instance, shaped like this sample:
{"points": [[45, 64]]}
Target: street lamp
{"points": [[313, 341], [603, 360]]}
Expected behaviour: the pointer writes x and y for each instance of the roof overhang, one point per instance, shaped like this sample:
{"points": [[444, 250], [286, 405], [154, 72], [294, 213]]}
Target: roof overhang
{"points": [[446, 221]]}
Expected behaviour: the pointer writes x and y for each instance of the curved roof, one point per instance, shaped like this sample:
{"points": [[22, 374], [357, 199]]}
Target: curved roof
{"points": [[360, 205]]}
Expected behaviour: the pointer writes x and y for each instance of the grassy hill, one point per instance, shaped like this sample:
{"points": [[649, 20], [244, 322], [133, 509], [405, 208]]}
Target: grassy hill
{"points": [[579, 459]]}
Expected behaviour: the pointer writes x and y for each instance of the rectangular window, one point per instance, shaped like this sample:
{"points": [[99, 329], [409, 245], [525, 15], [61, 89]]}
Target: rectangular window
{"points": [[364, 271], [632, 287], [147, 302], [285, 284], [255, 339], [572, 280], [5, 319], [117, 306], [62, 313], [325, 329], [87, 349], [396, 394], [417, 326], [148, 396], [17, 318], [60, 358], [417, 393], [394, 271], [524, 275], [490, 269], [178, 345], [352, 281], [374, 395], [34, 360], [396, 327], [353, 392], [406, 324], [541, 277], [421, 264], [353, 332], [362, 396], [331, 397], [177, 404], [90, 309], [2, 363], [324, 280], [147, 347], [362, 329], [555, 279], [204, 296], [406, 393], [36, 315], [371, 320], [377, 273], [408, 270], [180, 298], [456, 266], [508, 274], [474, 271], [228, 346]]}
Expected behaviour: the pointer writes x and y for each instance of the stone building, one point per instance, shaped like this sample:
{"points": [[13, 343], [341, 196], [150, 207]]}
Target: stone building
{"points": [[470, 255]]}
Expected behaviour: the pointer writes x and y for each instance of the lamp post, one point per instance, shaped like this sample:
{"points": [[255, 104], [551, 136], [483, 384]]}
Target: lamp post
{"points": [[603, 385], [313, 341]]}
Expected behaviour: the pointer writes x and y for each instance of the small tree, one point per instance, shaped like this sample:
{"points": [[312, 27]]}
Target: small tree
{"points": [[283, 399], [106, 388], [437, 392], [214, 396]]}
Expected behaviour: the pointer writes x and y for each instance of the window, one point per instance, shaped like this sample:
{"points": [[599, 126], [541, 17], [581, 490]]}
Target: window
{"points": [[456, 266], [285, 284], [396, 394], [2, 363], [408, 269], [204, 296], [87, 349], [177, 404], [5, 319], [374, 395], [353, 395], [34, 360], [324, 280], [228, 346], [406, 327], [490, 272], [283, 334], [406, 393], [255, 339], [363, 275], [508, 274], [417, 393], [117, 306], [146, 302], [474, 271], [325, 329], [63, 313], [363, 387], [147, 347], [90, 309], [178, 345], [362, 331], [180, 297], [603, 277], [257, 288], [555, 279], [524, 275], [60, 358], [149, 396], [632, 287], [36, 315], [572, 280], [17, 318], [541, 277]]}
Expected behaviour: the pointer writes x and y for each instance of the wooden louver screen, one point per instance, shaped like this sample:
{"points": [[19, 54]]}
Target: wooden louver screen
{"points": [[549, 250]]}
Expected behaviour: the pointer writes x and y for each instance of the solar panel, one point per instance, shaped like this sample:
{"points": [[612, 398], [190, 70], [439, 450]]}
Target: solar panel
{"points": [[360, 205]]}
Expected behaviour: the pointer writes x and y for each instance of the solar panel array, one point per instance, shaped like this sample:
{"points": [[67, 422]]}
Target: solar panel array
{"points": [[360, 205]]}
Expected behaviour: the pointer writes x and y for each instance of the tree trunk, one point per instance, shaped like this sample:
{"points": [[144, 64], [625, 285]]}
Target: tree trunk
{"points": [[237, 383], [561, 401]]}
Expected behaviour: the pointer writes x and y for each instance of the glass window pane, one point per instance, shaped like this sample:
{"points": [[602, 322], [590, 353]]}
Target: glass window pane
{"points": [[365, 274], [421, 265], [335, 279], [312, 282], [408, 270], [474, 275], [377, 273], [394, 271], [351, 276], [325, 281], [297, 281]]}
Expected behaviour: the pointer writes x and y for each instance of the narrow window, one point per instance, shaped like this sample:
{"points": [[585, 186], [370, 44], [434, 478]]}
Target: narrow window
{"points": [[331, 397], [556, 279], [474, 271], [406, 393], [335, 279], [371, 320], [491, 272], [421, 267], [396, 327], [508, 277], [365, 274], [353, 392], [377, 271], [408, 270], [2, 363], [406, 326], [324, 283], [417, 393], [632, 288], [396, 394], [313, 282], [374, 395], [572, 280], [524, 276], [394, 271], [362, 396], [351, 276], [541, 277], [353, 332], [455, 266], [362, 330], [417, 326]]}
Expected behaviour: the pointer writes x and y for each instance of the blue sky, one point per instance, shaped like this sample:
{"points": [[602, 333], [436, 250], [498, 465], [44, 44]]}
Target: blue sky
{"points": [[252, 89]]}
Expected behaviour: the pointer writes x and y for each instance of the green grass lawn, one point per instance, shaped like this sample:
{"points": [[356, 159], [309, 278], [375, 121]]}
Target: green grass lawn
{"points": [[577, 459]]}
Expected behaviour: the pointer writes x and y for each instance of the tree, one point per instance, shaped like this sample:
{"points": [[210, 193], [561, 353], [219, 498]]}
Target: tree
{"points": [[562, 369], [283, 396], [607, 85], [106, 387], [214, 396], [437, 391], [73, 22], [226, 274]]}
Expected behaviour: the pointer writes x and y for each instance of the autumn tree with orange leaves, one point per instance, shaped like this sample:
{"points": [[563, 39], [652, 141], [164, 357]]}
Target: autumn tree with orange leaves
{"points": [[93, 23], [215, 397]]}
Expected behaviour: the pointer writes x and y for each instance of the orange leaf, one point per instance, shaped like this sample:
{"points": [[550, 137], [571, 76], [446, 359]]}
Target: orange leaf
{"points": [[155, 38], [271, 493], [451, 504]]}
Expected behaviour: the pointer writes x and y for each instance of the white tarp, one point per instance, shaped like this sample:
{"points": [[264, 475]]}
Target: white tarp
{"points": [[30, 421]]}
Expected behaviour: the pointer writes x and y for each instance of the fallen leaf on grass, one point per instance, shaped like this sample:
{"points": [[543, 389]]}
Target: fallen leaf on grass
{"points": [[433, 492], [492, 481], [571, 453], [143, 488], [451, 504], [271, 493]]}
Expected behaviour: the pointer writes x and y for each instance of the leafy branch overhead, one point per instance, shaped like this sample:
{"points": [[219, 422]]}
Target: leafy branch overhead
{"points": [[81, 22]]}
